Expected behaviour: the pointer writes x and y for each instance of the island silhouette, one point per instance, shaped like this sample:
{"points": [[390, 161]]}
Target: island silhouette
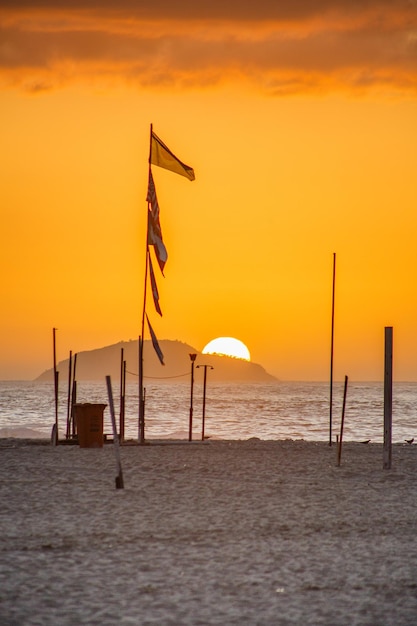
{"points": [[97, 364]]}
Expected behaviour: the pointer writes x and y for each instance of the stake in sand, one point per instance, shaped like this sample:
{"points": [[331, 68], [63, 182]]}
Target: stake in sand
{"points": [[339, 456], [119, 477]]}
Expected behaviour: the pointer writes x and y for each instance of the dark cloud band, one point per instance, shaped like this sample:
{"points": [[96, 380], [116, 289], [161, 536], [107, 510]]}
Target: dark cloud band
{"points": [[357, 45]]}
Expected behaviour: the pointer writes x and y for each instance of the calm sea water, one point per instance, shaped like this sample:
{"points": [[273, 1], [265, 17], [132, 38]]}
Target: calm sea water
{"points": [[272, 411]]}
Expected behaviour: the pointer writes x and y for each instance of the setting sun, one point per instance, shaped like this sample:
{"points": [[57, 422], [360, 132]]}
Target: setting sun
{"points": [[227, 346]]}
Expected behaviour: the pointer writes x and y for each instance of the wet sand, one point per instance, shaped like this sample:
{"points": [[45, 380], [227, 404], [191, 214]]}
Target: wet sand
{"points": [[228, 533]]}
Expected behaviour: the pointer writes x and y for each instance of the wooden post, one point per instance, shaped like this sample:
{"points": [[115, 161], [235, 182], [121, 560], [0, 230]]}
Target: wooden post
{"points": [[74, 396], [339, 458], [332, 350], [56, 381], [119, 477], [388, 398], [68, 432], [121, 426]]}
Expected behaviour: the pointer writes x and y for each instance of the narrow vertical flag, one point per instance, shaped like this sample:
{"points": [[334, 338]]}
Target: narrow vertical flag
{"points": [[162, 156], [155, 241], [155, 343], [153, 200], [154, 226], [154, 286]]}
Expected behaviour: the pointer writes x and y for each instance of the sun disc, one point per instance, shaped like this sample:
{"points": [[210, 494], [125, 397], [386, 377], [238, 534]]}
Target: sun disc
{"points": [[227, 346]]}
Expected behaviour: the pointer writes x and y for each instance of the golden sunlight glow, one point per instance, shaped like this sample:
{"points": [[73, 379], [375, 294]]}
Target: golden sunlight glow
{"points": [[227, 346], [303, 140]]}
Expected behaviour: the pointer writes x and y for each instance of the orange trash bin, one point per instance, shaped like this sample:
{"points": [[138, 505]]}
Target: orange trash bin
{"points": [[89, 424]]}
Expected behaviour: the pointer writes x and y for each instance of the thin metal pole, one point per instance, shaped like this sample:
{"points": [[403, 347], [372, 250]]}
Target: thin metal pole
{"points": [[141, 412], [150, 144], [204, 398], [339, 458], [141, 417], [141, 420], [190, 425], [332, 350], [141, 424], [204, 403], [142, 392], [147, 246], [145, 285], [388, 399], [122, 428]]}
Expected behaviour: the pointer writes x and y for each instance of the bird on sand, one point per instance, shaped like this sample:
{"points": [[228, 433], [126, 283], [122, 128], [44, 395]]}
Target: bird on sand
{"points": [[367, 441], [410, 441]]}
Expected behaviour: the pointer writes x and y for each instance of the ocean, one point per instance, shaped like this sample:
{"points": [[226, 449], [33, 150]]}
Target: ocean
{"points": [[281, 410]]}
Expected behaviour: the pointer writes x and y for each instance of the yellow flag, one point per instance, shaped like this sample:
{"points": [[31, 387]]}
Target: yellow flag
{"points": [[162, 156]]}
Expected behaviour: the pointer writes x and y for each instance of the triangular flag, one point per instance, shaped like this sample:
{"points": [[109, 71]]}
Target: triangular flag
{"points": [[154, 286], [162, 156], [155, 343]]}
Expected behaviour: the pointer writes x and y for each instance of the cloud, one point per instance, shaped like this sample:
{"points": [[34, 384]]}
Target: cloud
{"points": [[234, 10], [281, 48]]}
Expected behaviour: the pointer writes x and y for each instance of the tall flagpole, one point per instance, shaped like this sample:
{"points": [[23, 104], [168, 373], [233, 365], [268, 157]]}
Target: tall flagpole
{"points": [[331, 350], [147, 246], [141, 424], [141, 429]]}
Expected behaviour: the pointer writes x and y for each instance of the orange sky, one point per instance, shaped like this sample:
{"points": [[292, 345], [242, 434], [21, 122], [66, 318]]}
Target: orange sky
{"points": [[301, 124]]}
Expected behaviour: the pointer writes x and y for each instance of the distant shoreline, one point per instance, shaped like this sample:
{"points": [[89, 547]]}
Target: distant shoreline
{"points": [[237, 382]]}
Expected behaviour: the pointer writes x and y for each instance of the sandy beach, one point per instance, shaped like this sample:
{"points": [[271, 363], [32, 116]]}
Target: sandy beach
{"points": [[223, 532]]}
